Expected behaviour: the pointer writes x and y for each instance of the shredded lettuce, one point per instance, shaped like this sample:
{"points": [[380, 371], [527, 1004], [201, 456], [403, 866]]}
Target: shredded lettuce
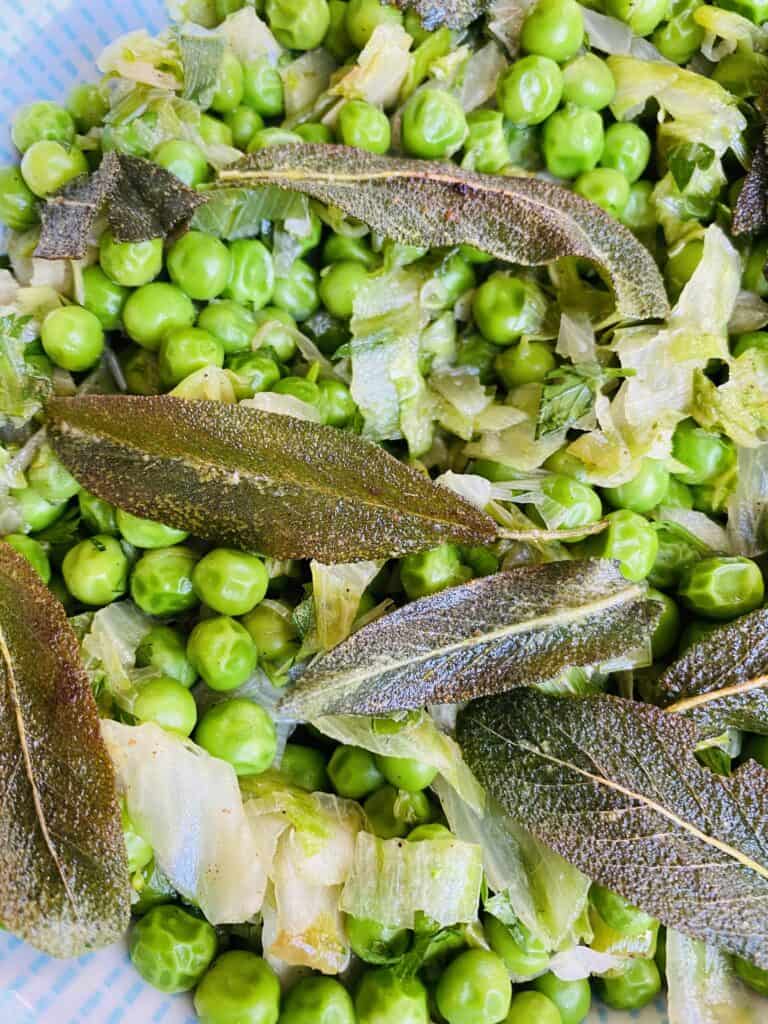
{"points": [[140, 57], [22, 387], [739, 407], [305, 79], [210, 382], [505, 22], [283, 405], [727, 31], [465, 407], [381, 68], [109, 649], [711, 534], [611, 36], [336, 591], [748, 505], [517, 446], [481, 76], [249, 37], [582, 962], [703, 988]]}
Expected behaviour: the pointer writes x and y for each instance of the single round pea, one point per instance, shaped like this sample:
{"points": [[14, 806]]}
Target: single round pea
{"points": [[154, 310], [141, 369], [252, 274], [644, 491], [130, 263], [35, 511], [753, 976], [171, 949], [263, 88], [524, 956], [681, 265], [229, 85], [619, 913], [373, 942], [313, 131], [722, 587], [505, 307], [665, 635], [88, 103], [73, 338], [452, 279], [627, 149], [751, 341], [104, 297], [528, 362], [18, 205], [606, 188], [48, 166], [240, 988], [406, 772], [384, 998], [335, 402], [635, 987], [354, 772], [297, 292], [433, 124], [239, 732], [631, 540], [678, 495], [222, 652], [561, 462], [318, 1000], [185, 350], [214, 132], [299, 26], [184, 159], [200, 265], [706, 454], [337, 41], [642, 16], [530, 90], [161, 581], [428, 572], [168, 704], [362, 125], [164, 648], [231, 323], [572, 141], [146, 533], [340, 284], [474, 989], [572, 998], [272, 630], [252, 373], [553, 28], [42, 121], [532, 1008], [429, 833], [364, 16], [304, 767], [268, 137], [231, 582], [679, 39], [380, 812], [97, 516], [96, 570], [588, 82], [639, 213], [50, 477], [243, 122], [581, 503], [33, 551]]}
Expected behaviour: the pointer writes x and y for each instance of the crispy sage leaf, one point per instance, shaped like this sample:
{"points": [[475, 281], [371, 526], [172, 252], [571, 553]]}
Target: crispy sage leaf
{"points": [[453, 13], [751, 212], [142, 201], [63, 876], [257, 480], [613, 786], [417, 202], [511, 629], [721, 681]]}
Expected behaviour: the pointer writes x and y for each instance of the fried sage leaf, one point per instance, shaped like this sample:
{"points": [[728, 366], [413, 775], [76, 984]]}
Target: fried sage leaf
{"points": [[257, 480], [453, 13], [722, 680], [613, 786], [63, 875], [141, 200], [512, 629], [751, 211], [417, 202]]}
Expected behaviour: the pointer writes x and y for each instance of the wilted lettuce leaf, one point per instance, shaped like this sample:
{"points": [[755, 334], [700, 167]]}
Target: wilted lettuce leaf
{"points": [[703, 987], [22, 386], [201, 57]]}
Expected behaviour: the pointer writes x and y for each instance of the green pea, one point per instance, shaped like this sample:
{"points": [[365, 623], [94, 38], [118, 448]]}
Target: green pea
{"points": [[88, 103], [563, 463], [214, 132], [706, 454], [630, 539], [272, 630], [642, 16], [485, 148], [339, 285], [533, 1008], [639, 213], [380, 811], [505, 307], [298, 25], [35, 511], [146, 533], [141, 369], [279, 337], [96, 570], [364, 16], [335, 402], [98, 516], [161, 581], [644, 491], [354, 772], [664, 637], [268, 137], [680, 266], [200, 265], [678, 495], [313, 131], [384, 998], [581, 503], [297, 292], [722, 587], [164, 649], [154, 310], [606, 188], [627, 149], [42, 121], [474, 989], [337, 41], [318, 1001], [428, 572], [452, 279], [167, 703], [252, 373], [304, 767], [185, 350], [171, 949], [619, 913], [755, 977], [362, 125], [530, 90], [528, 362], [341, 249], [751, 341], [572, 998], [130, 263], [138, 851], [429, 833], [229, 85], [554, 29], [33, 551], [237, 731], [524, 956], [243, 122], [406, 772], [184, 159], [573, 141], [231, 582], [263, 88], [222, 652], [373, 942], [679, 38], [635, 987], [433, 124], [252, 275], [50, 477], [73, 338], [299, 387], [231, 323], [588, 82], [743, 73], [104, 297], [18, 205]]}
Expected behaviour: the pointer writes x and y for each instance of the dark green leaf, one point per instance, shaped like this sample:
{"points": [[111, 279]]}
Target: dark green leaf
{"points": [[142, 201], [721, 680], [63, 877], [684, 160], [512, 629], [240, 212], [453, 13], [614, 787], [751, 211], [201, 57], [417, 202], [257, 480], [569, 393]]}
